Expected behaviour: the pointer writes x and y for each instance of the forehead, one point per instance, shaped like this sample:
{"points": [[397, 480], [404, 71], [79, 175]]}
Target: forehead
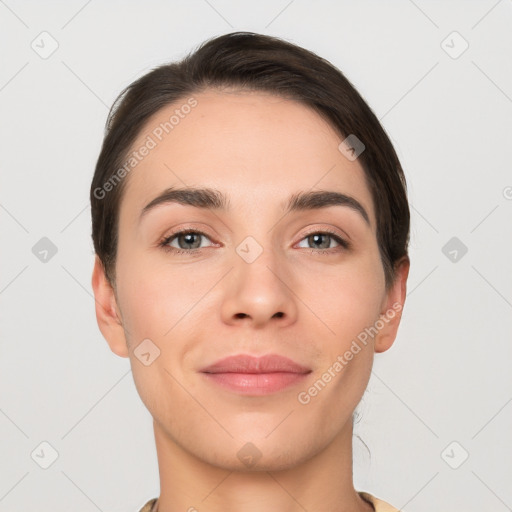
{"points": [[256, 147]]}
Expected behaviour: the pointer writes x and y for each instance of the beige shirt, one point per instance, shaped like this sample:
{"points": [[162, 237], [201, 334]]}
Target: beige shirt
{"points": [[378, 505]]}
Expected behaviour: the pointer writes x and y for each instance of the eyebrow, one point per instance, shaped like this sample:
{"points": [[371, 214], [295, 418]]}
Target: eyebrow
{"points": [[209, 198]]}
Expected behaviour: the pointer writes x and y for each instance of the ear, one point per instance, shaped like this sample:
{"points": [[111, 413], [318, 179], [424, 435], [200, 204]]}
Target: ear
{"points": [[107, 311], [392, 307]]}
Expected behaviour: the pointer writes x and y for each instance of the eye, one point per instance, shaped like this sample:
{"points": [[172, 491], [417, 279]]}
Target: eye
{"points": [[187, 240], [322, 240]]}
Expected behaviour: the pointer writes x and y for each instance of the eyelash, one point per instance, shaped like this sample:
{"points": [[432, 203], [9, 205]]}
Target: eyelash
{"points": [[345, 245]]}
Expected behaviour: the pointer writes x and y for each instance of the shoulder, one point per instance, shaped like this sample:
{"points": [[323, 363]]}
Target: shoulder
{"points": [[148, 507], [379, 505]]}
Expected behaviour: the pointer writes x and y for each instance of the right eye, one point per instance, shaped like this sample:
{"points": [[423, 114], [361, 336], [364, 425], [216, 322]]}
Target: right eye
{"points": [[184, 239]]}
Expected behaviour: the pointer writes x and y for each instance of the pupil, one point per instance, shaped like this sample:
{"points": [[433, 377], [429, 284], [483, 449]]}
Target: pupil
{"points": [[317, 238], [189, 238]]}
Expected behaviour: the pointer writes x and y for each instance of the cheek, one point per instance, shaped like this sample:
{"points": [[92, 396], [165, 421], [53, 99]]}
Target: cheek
{"points": [[346, 299], [154, 297], [155, 304], [348, 303], [159, 303]]}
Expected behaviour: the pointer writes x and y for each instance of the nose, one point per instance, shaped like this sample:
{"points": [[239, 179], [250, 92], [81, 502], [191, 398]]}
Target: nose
{"points": [[259, 293]]}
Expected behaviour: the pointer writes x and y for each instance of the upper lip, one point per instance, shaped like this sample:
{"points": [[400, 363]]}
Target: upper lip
{"points": [[242, 363]]}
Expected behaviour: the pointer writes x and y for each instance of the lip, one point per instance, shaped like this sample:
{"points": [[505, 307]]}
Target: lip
{"points": [[249, 375]]}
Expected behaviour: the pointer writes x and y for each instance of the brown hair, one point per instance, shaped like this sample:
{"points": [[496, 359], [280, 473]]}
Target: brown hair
{"points": [[252, 62]]}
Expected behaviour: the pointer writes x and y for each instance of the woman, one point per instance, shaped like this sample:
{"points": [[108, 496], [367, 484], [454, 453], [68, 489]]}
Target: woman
{"points": [[250, 223]]}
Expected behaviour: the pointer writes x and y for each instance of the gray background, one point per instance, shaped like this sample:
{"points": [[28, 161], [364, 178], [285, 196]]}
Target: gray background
{"points": [[446, 379]]}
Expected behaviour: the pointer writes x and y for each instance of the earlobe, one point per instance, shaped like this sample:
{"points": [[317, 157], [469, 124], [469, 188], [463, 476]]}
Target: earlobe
{"points": [[392, 307], [107, 311]]}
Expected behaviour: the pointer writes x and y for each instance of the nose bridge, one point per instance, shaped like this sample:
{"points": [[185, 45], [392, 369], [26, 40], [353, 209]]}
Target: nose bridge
{"points": [[258, 287], [259, 264]]}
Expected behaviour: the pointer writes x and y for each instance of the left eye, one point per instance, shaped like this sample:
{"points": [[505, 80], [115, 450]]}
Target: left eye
{"points": [[322, 240], [192, 238]]}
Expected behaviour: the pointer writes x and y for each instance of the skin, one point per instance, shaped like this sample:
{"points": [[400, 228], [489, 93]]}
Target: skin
{"points": [[258, 149]]}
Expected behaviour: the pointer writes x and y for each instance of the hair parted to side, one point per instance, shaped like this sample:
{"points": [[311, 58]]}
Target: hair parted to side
{"points": [[252, 62]]}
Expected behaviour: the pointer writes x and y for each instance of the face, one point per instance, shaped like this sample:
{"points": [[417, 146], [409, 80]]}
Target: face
{"points": [[251, 278]]}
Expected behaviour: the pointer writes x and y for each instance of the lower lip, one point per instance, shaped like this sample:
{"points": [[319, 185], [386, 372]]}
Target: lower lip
{"points": [[256, 383]]}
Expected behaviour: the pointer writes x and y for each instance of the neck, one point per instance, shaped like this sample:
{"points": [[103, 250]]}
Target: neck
{"points": [[323, 483]]}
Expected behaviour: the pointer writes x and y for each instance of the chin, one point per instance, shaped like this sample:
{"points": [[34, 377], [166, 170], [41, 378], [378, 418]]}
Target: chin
{"points": [[280, 462], [254, 456]]}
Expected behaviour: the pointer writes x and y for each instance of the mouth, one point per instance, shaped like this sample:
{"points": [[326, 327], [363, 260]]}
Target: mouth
{"points": [[249, 375]]}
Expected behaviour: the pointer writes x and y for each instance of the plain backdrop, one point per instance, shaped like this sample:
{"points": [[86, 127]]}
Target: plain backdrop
{"points": [[437, 415]]}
